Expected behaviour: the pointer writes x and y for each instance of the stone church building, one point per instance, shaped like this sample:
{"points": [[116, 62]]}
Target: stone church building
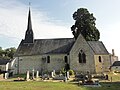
{"points": [[46, 55]]}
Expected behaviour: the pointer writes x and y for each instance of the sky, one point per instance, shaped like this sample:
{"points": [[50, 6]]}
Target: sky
{"points": [[53, 19]]}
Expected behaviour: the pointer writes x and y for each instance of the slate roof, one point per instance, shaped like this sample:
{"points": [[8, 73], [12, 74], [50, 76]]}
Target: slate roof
{"points": [[56, 46], [116, 63], [4, 61], [45, 46], [98, 47]]}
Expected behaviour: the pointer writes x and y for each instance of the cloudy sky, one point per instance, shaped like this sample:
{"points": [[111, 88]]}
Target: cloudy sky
{"points": [[53, 19]]}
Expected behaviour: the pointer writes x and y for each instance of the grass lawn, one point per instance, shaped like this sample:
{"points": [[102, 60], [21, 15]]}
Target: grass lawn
{"points": [[34, 85], [41, 85]]}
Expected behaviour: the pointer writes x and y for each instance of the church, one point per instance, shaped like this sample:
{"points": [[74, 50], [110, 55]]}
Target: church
{"points": [[46, 55]]}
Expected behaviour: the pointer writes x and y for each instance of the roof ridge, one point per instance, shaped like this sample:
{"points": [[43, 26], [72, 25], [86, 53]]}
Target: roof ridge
{"points": [[104, 46], [54, 39]]}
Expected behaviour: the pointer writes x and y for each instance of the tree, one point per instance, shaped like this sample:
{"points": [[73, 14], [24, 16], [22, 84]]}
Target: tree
{"points": [[85, 24], [7, 53], [1, 52]]}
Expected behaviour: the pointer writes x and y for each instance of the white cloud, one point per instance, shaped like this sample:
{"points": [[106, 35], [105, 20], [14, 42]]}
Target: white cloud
{"points": [[13, 22]]}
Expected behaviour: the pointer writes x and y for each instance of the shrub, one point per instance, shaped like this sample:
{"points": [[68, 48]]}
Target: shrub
{"points": [[71, 72], [63, 71]]}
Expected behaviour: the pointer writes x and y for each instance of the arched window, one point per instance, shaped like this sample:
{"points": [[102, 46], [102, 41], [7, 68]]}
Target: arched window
{"points": [[66, 59], [82, 57], [48, 59], [100, 59]]}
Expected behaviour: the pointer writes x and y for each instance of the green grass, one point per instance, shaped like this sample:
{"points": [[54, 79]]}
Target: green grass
{"points": [[105, 86], [34, 85]]}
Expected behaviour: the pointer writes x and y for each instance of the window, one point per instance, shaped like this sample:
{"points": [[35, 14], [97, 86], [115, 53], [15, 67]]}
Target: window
{"points": [[43, 58], [48, 59], [100, 59], [66, 59], [82, 57]]}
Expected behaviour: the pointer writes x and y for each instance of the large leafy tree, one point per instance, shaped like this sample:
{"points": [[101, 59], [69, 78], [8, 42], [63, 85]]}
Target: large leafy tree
{"points": [[85, 24], [7, 53]]}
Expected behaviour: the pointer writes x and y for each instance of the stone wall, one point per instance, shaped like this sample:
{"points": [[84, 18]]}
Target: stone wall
{"points": [[104, 65], [98, 64], [39, 62], [81, 44], [57, 62], [106, 62]]}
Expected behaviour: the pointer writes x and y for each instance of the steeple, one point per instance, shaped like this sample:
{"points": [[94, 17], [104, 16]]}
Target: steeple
{"points": [[29, 36], [29, 27]]}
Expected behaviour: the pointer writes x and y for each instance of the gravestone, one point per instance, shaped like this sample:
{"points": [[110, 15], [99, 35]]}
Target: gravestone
{"points": [[68, 76], [65, 79], [52, 74], [33, 73], [6, 75], [59, 77], [37, 74], [89, 76], [106, 77], [45, 76], [28, 76]]}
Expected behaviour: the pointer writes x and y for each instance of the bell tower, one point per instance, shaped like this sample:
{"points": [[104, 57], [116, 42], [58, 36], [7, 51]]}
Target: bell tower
{"points": [[29, 35]]}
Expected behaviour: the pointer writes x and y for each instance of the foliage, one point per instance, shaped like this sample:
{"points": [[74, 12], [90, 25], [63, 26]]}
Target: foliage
{"points": [[62, 71], [7, 53], [71, 72], [85, 24], [1, 52]]}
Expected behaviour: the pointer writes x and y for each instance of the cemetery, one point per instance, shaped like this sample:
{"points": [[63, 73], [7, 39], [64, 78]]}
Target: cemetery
{"points": [[77, 81]]}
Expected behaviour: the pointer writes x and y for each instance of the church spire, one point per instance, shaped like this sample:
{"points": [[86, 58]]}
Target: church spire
{"points": [[29, 37], [29, 27]]}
